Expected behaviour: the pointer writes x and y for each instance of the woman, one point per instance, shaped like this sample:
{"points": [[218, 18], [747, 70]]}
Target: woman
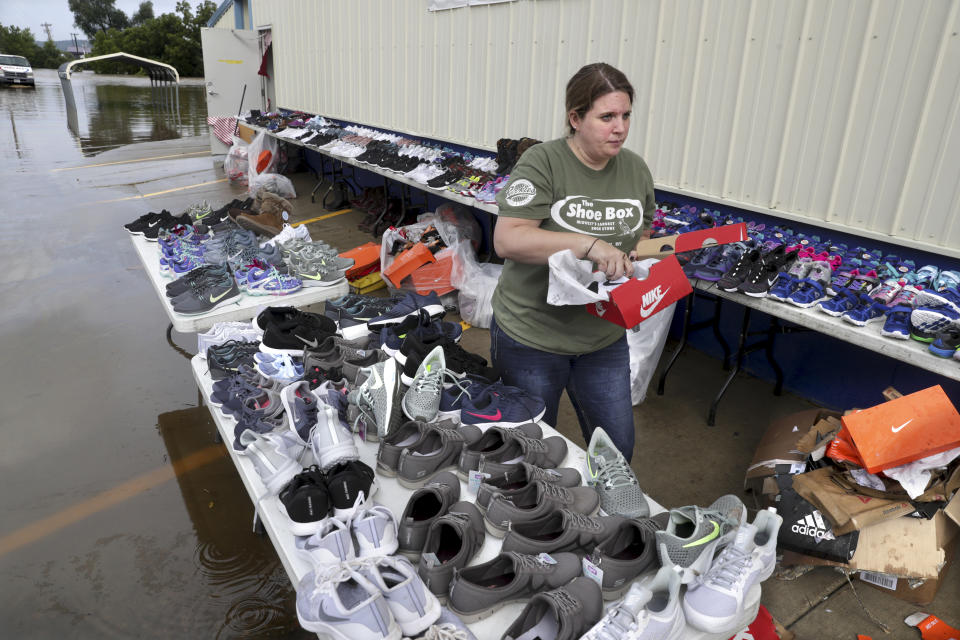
{"points": [[583, 192]]}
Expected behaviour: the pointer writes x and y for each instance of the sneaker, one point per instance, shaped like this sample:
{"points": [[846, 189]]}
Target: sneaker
{"points": [[564, 613], [300, 408], [426, 504], [927, 322], [766, 271], [538, 500], [375, 530], [869, 310], [813, 288], [561, 530], [494, 441], [946, 343], [609, 473], [411, 305], [480, 590], [411, 603], [352, 486], [306, 501], [378, 399], [449, 626], [512, 480], [693, 535], [715, 602], [503, 406], [274, 455], [422, 399], [651, 612], [393, 444], [734, 277], [294, 336], [340, 602], [437, 450], [329, 544], [216, 294], [628, 553], [897, 323], [331, 443], [547, 453], [452, 541], [844, 301], [934, 299]]}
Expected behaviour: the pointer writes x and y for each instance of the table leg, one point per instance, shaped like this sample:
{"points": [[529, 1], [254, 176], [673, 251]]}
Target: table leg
{"points": [[175, 346], [775, 327], [741, 342], [688, 310], [719, 336]]}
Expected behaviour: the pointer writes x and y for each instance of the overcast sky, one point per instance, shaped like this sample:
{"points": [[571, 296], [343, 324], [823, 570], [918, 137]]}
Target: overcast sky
{"points": [[33, 13]]}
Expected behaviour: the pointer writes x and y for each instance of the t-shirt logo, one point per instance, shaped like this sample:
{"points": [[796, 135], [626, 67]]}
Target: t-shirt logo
{"points": [[520, 192], [595, 217]]}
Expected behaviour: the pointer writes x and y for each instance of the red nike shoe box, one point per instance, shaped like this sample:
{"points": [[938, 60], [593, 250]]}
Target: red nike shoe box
{"points": [[909, 428], [691, 241], [637, 300]]}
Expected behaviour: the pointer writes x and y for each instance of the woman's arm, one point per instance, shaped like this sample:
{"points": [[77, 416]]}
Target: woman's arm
{"points": [[522, 240]]}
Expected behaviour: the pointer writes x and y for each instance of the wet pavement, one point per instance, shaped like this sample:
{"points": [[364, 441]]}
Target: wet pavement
{"points": [[122, 518]]}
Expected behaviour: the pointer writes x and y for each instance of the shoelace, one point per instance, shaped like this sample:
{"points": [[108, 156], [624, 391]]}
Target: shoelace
{"points": [[582, 521], [564, 601], [620, 623], [616, 474], [530, 562], [445, 631], [430, 381], [552, 490], [728, 568]]}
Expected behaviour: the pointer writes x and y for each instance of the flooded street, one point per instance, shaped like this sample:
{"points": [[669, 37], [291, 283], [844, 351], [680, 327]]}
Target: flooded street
{"points": [[121, 517]]}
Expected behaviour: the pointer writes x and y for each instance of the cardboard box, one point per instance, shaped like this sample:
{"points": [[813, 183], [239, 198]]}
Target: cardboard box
{"points": [[691, 241], [636, 300], [245, 133], [905, 429], [781, 444], [406, 263]]}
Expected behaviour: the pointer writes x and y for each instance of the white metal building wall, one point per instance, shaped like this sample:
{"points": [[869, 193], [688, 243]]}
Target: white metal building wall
{"points": [[842, 113], [226, 21]]}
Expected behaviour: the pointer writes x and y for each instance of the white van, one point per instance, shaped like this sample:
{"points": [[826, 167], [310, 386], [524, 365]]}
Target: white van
{"points": [[15, 70]]}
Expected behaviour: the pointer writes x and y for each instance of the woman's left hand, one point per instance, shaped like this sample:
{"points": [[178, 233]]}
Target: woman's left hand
{"points": [[611, 261]]}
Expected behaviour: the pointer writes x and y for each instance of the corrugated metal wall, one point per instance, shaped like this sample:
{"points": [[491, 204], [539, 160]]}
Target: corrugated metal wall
{"points": [[226, 21], [838, 112]]}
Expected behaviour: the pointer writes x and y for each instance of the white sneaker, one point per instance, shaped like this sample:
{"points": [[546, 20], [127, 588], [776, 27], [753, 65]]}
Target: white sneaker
{"points": [[274, 455], [715, 601], [322, 598], [375, 531], [646, 613], [331, 544], [411, 603], [330, 442]]}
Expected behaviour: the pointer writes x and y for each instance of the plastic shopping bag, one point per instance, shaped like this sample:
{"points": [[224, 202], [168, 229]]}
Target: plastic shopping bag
{"points": [[646, 342], [235, 165], [261, 157], [476, 283], [274, 183]]}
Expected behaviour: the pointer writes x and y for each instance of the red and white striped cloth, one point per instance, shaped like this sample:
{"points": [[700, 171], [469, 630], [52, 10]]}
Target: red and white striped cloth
{"points": [[223, 127]]}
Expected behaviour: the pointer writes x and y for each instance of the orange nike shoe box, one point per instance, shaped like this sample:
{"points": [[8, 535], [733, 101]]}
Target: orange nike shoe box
{"points": [[406, 263], [637, 300], [909, 428]]}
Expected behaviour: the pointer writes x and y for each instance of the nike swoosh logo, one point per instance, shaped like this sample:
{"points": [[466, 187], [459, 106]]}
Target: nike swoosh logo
{"points": [[601, 309], [214, 298], [897, 429], [378, 381], [313, 343], [646, 310], [707, 538], [305, 276], [494, 416], [153, 224]]}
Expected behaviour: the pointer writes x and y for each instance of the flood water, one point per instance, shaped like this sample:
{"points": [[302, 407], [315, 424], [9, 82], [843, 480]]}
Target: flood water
{"points": [[121, 516]]}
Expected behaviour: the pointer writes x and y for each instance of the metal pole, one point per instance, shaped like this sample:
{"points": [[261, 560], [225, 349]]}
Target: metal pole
{"points": [[236, 126]]}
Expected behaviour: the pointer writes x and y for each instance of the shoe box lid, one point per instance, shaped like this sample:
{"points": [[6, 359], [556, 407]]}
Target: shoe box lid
{"points": [[691, 241], [406, 263], [638, 300], [908, 428]]}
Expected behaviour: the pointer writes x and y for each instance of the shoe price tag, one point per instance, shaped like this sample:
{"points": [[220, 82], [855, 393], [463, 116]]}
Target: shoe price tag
{"points": [[362, 429], [476, 479], [593, 572], [431, 560], [285, 216], [804, 242], [546, 558]]}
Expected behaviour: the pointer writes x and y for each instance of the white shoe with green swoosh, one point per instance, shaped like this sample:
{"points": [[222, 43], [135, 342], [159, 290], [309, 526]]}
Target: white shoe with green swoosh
{"points": [[694, 534]]}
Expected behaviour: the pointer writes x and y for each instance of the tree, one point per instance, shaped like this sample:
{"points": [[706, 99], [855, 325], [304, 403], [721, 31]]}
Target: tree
{"points": [[97, 16], [20, 42], [144, 13]]}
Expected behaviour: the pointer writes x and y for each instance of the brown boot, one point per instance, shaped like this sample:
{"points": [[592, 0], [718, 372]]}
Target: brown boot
{"points": [[265, 223]]}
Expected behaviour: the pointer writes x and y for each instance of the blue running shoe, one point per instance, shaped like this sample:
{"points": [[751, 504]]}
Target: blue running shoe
{"points": [[927, 322], [411, 305], [946, 343], [869, 310], [840, 304], [948, 298], [502, 406], [897, 324]]}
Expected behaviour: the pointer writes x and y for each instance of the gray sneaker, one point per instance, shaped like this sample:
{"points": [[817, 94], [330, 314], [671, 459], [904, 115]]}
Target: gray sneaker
{"points": [[422, 399], [437, 450], [650, 612], [693, 535], [479, 591], [315, 274], [378, 399], [452, 542], [330, 442], [537, 500], [627, 554], [519, 476], [426, 504], [218, 294], [411, 603], [561, 530], [610, 474], [391, 446], [351, 349], [274, 456], [493, 440], [567, 612], [547, 453]]}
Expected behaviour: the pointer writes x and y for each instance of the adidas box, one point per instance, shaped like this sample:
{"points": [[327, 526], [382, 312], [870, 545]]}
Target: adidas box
{"points": [[691, 241], [637, 300], [806, 531]]}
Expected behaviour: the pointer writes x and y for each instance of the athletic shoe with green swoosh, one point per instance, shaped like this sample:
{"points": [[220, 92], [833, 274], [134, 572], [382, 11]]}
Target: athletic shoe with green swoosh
{"points": [[609, 473], [219, 293], [694, 535]]}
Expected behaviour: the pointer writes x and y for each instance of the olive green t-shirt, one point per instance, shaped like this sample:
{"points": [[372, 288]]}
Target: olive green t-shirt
{"points": [[550, 184]]}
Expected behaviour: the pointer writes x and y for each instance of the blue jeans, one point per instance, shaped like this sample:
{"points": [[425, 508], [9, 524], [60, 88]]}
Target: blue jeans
{"points": [[597, 383]]}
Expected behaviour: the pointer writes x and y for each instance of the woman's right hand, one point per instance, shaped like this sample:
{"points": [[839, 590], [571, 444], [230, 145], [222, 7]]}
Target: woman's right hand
{"points": [[610, 260]]}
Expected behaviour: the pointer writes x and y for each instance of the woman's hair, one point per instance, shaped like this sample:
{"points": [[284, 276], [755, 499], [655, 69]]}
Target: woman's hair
{"points": [[591, 82]]}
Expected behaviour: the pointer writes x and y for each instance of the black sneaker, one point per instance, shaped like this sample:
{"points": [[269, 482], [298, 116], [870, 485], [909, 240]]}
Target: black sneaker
{"points": [[732, 279], [766, 271], [294, 336], [281, 315], [461, 363], [144, 222], [225, 359], [306, 501], [165, 223], [351, 487], [184, 282]]}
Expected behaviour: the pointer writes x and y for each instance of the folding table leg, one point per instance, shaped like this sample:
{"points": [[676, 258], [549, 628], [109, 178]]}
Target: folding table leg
{"points": [[688, 309], [741, 350]]}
